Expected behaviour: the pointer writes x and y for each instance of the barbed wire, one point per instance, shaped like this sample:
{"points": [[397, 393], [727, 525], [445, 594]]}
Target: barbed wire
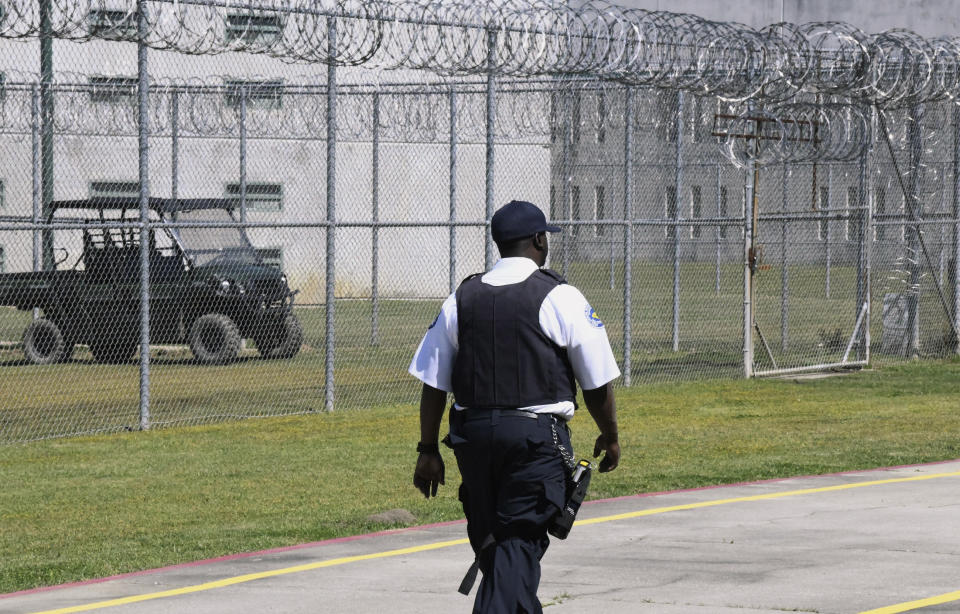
{"points": [[895, 68], [529, 111], [289, 108]]}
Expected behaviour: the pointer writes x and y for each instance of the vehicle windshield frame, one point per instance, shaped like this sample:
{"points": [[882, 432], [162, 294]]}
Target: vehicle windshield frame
{"points": [[238, 250]]}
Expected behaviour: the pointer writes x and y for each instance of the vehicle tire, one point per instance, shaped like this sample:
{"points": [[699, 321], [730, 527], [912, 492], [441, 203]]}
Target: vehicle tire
{"points": [[44, 343], [114, 350], [214, 339], [282, 342]]}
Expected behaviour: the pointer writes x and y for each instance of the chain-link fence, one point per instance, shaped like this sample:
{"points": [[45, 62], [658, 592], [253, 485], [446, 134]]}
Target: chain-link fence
{"points": [[734, 202]]}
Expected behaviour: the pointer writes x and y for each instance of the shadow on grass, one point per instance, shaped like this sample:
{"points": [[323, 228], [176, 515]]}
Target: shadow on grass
{"points": [[155, 359]]}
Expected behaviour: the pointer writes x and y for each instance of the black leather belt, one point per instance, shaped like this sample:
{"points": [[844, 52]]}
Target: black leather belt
{"points": [[485, 413]]}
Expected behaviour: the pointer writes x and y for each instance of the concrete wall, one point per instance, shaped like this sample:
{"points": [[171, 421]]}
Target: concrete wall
{"points": [[927, 17], [414, 176]]}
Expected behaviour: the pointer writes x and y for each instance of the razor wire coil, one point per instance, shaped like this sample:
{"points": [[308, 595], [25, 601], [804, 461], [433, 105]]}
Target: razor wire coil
{"points": [[892, 69]]}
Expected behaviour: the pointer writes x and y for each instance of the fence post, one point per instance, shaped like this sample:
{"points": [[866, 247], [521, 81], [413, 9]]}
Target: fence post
{"points": [[749, 210], [678, 178], [243, 154], [628, 235], [716, 233], [828, 234], [863, 259], [784, 273], [331, 213], [143, 93], [868, 248], [453, 190], [37, 204], [46, 123], [565, 238], [491, 120], [175, 144], [913, 231], [375, 230], [955, 248]]}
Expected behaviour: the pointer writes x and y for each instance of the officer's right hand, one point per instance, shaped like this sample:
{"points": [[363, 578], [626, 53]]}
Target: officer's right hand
{"points": [[429, 474], [611, 448]]}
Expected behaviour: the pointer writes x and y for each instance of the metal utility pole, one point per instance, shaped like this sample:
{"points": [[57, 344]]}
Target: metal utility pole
{"points": [[955, 247], [628, 236], [914, 246], [677, 200], [331, 215], [46, 126], [488, 250], [143, 117]]}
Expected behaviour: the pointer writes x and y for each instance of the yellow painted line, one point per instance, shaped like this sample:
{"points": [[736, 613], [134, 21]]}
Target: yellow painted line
{"points": [[913, 605], [774, 495], [459, 542], [253, 576]]}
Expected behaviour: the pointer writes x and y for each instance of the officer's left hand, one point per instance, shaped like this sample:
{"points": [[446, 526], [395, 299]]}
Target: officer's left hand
{"points": [[610, 446], [429, 474]]}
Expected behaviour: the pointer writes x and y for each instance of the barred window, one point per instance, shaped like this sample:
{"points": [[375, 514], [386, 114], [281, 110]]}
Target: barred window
{"points": [[576, 117], [260, 94], [254, 28], [599, 210], [601, 117], [696, 209], [554, 116], [697, 123], [271, 256], [112, 24], [114, 189], [666, 120], [260, 196], [114, 90]]}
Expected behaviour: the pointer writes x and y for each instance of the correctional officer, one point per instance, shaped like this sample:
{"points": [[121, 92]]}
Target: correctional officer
{"points": [[510, 344]]}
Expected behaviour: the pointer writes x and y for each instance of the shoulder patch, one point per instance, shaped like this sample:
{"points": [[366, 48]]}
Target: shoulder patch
{"points": [[592, 317]]}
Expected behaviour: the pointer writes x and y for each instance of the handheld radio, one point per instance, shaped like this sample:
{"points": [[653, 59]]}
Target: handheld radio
{"points": [[576, 491]]}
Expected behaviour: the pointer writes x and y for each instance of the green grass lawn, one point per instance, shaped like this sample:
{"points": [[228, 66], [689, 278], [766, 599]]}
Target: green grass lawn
{"points": [[93, 506]]}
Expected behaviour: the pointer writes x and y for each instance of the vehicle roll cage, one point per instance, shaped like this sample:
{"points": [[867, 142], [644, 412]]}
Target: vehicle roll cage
{"points": [[161, 206]]}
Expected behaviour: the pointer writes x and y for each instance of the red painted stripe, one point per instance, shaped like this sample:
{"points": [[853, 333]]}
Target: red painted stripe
{"points": [[349, 538]]}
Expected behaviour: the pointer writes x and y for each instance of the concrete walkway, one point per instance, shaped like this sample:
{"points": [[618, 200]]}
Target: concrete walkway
{"points": [[885, 540]]}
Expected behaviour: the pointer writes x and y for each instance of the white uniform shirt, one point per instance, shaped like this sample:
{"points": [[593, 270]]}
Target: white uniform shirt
{"points": [[566, 318]]}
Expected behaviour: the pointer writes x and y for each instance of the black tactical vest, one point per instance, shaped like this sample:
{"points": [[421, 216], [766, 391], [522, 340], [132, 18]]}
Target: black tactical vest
{"points": [[504, 359]]}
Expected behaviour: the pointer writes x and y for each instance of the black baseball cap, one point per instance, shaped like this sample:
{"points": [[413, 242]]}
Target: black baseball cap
{"points": [[518, 219]]}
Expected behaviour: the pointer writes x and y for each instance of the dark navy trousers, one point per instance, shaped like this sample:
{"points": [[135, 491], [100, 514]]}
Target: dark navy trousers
{"points": [[514, 482]]}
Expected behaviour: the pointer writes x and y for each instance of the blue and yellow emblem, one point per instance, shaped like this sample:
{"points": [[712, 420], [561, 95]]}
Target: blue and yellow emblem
{"points": [[592, 317]]}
